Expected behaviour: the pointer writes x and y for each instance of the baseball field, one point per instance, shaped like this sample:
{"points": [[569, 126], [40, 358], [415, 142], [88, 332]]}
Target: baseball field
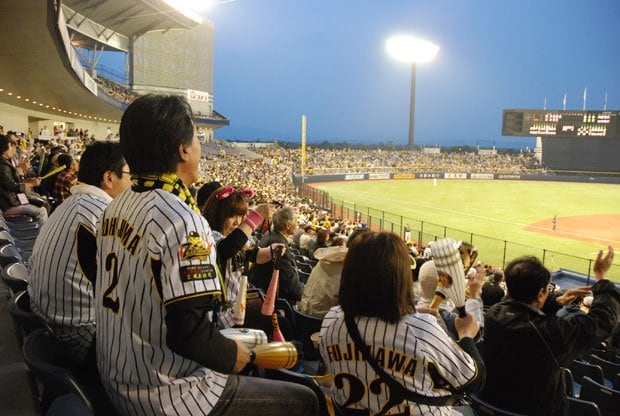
{"points": [[504, 219]]}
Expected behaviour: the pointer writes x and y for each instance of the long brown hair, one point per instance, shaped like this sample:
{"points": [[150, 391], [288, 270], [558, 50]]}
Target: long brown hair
{"points": [[376, 278]]}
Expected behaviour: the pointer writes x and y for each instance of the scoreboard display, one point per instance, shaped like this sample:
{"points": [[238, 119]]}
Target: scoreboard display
{"points": [[561, 123]]}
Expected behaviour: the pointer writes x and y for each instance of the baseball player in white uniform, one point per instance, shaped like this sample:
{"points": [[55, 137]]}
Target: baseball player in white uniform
{"points": [[411, 348], [158, 286], [63, 261]]}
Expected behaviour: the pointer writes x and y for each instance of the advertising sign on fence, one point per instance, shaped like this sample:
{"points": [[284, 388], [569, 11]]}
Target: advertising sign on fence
{"points": [[354, 176], [455, 175], [404, 176], [482, 176], [378, 176]]}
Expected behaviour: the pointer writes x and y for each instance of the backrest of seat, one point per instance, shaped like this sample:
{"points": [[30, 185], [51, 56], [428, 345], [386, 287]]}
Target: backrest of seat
{"points": [[578, 407], [45, 357], [25, 320], [482, 407], [581, 369], [607, 399], [610, 369], [305, 326]]}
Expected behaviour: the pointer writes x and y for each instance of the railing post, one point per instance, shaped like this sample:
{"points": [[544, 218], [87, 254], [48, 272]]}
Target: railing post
{"points": [[504, 257], [589, 271], [544, 255], [471, 238]]}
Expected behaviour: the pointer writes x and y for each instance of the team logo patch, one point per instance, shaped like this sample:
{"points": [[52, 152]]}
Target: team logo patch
{"points": [[195, 248], [445, 280], [197, 272]]}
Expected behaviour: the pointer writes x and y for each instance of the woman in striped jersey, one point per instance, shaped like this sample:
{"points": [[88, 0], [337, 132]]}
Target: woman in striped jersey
{"points": [[417, 367]]}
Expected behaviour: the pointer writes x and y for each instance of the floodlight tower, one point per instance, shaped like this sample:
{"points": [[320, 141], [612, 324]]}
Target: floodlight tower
{"points": [[411, 50]]}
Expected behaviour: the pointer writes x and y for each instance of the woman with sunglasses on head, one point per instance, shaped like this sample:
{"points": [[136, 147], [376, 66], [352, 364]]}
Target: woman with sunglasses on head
{"points": [[232, 225]]}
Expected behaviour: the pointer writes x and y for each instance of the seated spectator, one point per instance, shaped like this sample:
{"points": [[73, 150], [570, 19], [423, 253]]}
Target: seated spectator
{"points": [[290, 288], [376, 319], [65, 179], [62, 276], [322, 235], [321, 289], [13, 199], [492, 291], [307, 239], [526, 344]]}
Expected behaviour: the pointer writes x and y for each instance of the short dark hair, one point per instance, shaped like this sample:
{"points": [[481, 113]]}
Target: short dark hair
{"points": [[376, 277], [65, 159], [99, 158], [205, 192], [525, 276], [5, 143], [216, 211], [152, 129]]}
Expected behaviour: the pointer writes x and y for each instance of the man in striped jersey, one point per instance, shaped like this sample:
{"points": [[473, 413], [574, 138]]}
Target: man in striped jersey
{"points": [[64, 255], [158, 286]]}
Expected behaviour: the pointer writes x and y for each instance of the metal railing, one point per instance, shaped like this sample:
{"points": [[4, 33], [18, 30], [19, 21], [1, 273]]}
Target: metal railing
{"points": [[493, 251]]}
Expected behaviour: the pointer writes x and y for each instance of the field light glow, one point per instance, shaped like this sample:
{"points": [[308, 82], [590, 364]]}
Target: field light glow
{"points": [[409, 49]]}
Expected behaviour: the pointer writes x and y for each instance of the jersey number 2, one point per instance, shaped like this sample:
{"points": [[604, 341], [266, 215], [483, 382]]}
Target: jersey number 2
{"points": [[111, 266]]}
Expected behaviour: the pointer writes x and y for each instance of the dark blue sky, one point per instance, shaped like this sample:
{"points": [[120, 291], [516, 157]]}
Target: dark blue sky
{"points": [[278, 59]]}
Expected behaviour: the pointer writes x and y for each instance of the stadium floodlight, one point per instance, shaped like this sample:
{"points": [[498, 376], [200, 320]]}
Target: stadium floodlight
{"points": [[411, 50]]}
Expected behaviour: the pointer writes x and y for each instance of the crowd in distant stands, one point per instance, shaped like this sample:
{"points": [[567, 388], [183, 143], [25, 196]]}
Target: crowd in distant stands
{"points": [[115, 90]]}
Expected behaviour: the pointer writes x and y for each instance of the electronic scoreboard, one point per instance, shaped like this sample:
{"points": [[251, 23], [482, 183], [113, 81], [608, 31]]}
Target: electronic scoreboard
{"points": [[561, 123]]}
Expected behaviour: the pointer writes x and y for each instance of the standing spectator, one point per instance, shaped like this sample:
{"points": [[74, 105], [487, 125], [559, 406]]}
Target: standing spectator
{"points": [[290, 288], [13, 199], [376, 303], [526, 344], [63, 275], [158, 351]]}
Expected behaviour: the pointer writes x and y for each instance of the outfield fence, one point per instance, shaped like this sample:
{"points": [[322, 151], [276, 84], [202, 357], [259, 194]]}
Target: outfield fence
{"points": [[493, 251]]}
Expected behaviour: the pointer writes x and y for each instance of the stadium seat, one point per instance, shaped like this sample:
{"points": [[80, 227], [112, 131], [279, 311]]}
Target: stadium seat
{"points": [[12, 219], [25, 321], [46, 359], [569, 383], [609, 354], [578, 407], [25, 234], [26, 244], [483, 407], [607, 399], [16, 276], [580, 370], [9, 254], [6, 238], [17, 393], [304, 380], [610, 369], [305, 326], [303, 276], [616, 382], [69, 405]]}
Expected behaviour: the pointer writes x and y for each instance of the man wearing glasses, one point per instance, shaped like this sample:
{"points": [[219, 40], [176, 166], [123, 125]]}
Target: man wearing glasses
{"points": [[526, 344]]}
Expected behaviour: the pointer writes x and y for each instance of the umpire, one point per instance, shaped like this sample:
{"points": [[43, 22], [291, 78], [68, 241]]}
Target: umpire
{"points": [[158, 350]]}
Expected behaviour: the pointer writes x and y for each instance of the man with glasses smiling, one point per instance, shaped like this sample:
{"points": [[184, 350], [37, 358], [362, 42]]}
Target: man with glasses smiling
{"points": [[63, 260], [526, 344]]}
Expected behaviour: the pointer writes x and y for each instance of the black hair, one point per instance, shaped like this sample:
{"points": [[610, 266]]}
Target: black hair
{"points": [[5, 143], [65, 159], [205, 192], [152, 129], [99, 158], [525, 276]]}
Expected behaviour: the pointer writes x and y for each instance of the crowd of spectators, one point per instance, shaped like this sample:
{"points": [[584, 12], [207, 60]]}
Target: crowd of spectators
{"points": [[115, 90]]}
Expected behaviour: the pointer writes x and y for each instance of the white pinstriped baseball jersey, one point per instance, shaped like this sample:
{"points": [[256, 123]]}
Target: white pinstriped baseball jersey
{"points": [[64, 253], [152, 250], [232, 279], [414, 352]]}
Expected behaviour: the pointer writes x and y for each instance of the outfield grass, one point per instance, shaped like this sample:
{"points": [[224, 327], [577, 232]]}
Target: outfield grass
{"points": [[498, 209]]}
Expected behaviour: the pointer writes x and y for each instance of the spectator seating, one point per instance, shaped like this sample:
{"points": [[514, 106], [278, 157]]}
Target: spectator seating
{"points": [[9, 254], [607, 399], [582, 369], [305, 326], [483, 408], [15, 275], [25, 321], [69, 405], [578, 407], [569, 383], [610, 369], [46, 359]]}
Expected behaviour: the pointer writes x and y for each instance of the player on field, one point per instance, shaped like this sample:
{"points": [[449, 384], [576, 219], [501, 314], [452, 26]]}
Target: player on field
{"points": [[417, 367], [63, 261], [158, 286]]}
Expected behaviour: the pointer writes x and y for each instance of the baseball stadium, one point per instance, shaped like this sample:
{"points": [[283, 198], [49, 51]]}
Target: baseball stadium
{"points": [[151, 268]]}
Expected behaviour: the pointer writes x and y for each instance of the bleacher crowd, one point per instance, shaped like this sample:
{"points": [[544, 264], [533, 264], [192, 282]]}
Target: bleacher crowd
{"points": [[128, 287]]}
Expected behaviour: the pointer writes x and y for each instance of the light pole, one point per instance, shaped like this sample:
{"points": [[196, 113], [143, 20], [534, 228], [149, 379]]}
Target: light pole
{"points": [[411, 50]]}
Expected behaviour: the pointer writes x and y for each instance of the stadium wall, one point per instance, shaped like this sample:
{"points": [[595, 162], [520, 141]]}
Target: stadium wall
{"points": [[298, 180]]}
